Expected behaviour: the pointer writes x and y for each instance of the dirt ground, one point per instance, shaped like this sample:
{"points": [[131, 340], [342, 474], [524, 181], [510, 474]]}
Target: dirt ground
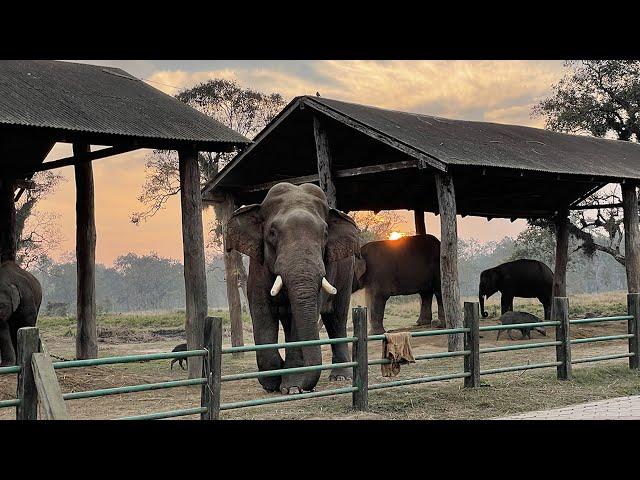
{"points": [[502, 394]]}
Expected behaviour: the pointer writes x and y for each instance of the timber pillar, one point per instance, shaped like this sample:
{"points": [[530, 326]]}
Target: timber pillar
{"points": [[8, 240], [631, 236], [421, 226], [561, 221]]}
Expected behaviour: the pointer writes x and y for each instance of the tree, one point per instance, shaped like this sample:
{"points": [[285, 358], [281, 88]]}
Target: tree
{"points": [[601, 98], [375, 225]]}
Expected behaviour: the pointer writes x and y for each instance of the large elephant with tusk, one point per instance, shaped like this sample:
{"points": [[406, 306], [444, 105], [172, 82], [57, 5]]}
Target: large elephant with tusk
{"points": [[301, 265]]}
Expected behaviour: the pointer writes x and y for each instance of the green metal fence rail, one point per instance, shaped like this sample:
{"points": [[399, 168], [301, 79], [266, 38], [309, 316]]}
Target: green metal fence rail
{"points": [[93, 362], [9, 370]]}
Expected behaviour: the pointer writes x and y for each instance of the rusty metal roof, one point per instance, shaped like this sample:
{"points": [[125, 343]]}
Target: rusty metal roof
{"points": [[103, 104]]}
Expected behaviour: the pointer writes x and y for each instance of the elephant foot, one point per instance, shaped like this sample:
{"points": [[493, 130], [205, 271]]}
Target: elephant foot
{"points": [[424, 322], [339, 378], [290, 390], [377, 331], [340, 374]]}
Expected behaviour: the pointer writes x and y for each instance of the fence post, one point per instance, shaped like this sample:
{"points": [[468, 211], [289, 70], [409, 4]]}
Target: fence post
{"points": [[472, 343], [28, 344], [360, 355], [211, 368], [563, 351], [633, 309]]}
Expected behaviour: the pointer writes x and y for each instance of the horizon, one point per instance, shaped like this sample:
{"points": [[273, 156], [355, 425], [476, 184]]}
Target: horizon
{"points": [[496, 91]]}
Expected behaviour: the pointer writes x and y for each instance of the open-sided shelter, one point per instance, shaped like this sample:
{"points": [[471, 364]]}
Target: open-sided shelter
{"points": [[368, 158], [44, 102]]}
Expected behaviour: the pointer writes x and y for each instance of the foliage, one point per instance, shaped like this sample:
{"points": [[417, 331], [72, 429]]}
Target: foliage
{"points": [[375, 225]]}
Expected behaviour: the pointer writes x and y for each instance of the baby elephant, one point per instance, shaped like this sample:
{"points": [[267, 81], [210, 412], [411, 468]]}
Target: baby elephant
{"points": [[179, 348], [514, 318]]}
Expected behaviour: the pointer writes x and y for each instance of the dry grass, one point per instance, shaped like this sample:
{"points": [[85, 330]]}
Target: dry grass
{"points": [[502, 394]]}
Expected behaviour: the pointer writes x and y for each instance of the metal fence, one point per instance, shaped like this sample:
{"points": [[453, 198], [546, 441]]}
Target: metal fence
{"points": [[213, 352]]}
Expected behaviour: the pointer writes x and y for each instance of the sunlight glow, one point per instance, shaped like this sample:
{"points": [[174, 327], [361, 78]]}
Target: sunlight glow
{"points": [[396, 235]]}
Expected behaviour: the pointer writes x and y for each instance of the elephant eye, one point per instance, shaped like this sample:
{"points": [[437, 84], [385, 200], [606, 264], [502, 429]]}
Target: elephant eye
{"points": [[272, 236]]}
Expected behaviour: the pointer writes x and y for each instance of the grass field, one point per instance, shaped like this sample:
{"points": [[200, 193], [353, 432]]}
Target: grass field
{"points": [[500, 395]]}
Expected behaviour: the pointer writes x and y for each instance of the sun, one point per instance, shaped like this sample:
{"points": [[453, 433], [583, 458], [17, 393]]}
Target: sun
{"points": [[396, 235]]}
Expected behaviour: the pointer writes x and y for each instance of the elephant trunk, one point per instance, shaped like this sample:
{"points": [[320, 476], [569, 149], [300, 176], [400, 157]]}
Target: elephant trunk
{"points": [[485, 314]]}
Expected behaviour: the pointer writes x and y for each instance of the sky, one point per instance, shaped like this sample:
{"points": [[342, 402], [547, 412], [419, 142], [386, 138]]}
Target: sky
{"points": [[495, 91]]}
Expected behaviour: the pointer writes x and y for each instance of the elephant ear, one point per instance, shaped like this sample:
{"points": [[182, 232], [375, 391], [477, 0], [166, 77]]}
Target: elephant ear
{"points": [[244, 232], [14, 293], [344, 236]]}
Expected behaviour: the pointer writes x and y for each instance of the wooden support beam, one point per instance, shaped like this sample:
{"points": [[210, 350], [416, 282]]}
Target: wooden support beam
{"points": [[421, 226], [87, 329], [631, 236], [562, 254], [8, 240], [49, 392], [231, 261], [449, 257], [82, 157], [195, 280], [323, 155]]}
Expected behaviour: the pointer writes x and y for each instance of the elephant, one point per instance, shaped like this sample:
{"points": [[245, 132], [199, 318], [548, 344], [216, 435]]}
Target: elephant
{"points": [[399, 267], [519, 278], [20, 298], [301, 266], [514, 318]]}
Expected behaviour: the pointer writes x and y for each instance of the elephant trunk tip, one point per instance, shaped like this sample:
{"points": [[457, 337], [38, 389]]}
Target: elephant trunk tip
{"points": [[485, 314]]}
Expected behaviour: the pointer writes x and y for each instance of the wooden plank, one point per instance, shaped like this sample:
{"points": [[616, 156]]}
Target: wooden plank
{"points": [[212, 368], [82, 157], [344, 173], [560, 313], [360, 355], [87, 330], [472, 343], [421, 226], [631, 236], [193, 247], [633, 327], [49, 392], [28, 344], [8, 241], [323, 156], [382, 137], [449, 258], [562, 254]]}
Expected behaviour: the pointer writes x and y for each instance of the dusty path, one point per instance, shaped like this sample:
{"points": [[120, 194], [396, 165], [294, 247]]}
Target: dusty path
{"points": [[623, 408]]}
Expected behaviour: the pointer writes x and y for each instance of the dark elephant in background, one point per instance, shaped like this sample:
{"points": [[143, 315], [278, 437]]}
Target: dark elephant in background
{"points": [[399, 267], [20, 298], [520, 278], [301, 266]]}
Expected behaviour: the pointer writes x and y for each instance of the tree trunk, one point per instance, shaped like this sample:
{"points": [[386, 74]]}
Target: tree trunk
{"points": [[323, 154], [421, 227], [7, 220], [195, 280], [87, 329], [631, 236], [449, 258], [562, 254]]}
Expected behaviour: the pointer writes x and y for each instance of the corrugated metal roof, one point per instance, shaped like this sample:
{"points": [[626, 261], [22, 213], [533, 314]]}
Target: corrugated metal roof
{"points": [[461, 142], [100, 100]]}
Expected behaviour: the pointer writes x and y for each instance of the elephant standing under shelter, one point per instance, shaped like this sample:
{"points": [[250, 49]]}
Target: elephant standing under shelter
{"points": [[519, 278], [301, 266], [20, 298], [399, 267]]}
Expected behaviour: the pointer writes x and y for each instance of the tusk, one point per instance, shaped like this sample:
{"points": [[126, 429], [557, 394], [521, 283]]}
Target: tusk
{"points": [[277, 285], [330, 289]]}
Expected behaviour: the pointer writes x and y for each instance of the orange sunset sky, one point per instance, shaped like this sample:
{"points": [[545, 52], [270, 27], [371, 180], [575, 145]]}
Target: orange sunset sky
{"points": [[496, 91]]}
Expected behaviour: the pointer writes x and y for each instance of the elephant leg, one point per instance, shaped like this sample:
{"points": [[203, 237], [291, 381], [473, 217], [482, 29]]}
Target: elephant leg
{"points": [[441, 320], [546, 305], [265, 330], [426, 308], [340, 351], [7, 352], [376, 304], [506, 304], [292, 359]]}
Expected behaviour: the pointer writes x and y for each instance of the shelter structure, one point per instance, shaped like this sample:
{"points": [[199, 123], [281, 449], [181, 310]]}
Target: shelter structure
{"points": [[45, 102], [368, 158]]}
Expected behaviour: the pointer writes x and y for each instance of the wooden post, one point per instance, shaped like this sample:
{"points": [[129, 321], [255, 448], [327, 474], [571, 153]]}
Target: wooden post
{"points": [[87, 329], [195, 280], [472, 343], [231, 261], [421, 227], [562, 253], [633, 327], [360, 355], [211, 368], [49, 392], [8, 240], [323, 154], [28, 344], [631, 236], [449, 257], [563, 335]]}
